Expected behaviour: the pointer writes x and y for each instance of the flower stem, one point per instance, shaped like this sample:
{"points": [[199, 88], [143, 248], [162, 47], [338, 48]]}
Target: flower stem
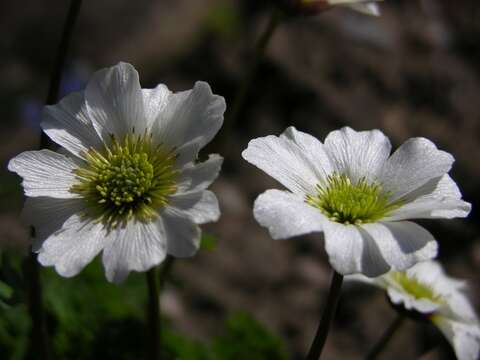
{"points": [[153, 314], [39, 343], [249, 76], [385, 338], [327, 317], [60, 58], [155, 285]]}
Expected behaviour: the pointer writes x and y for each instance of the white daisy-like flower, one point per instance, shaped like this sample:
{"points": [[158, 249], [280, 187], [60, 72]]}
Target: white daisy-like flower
{"points": [[357, 194], [126, 180], [369, 7], [425, 290]]}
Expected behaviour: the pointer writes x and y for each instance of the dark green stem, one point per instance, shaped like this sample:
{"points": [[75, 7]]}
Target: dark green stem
{"points": [[60, 59], [153, 315], [39, 343], [385, 338], [327, 317], [155, 286], [248, 78]]}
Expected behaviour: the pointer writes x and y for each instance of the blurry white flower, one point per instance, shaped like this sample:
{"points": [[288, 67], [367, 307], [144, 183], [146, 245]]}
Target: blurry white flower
{"points": [[427, 291], [126, 180], [313, 7], [359, 196], [365, 6]]}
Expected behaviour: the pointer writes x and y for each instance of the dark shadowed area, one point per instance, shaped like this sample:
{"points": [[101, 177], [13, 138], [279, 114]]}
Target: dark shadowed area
{"points": [[412, 72]]}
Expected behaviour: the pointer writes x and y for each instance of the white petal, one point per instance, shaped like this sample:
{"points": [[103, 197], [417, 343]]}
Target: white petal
{"points": [[459, 306], [67, 124], [414, 163], [189, 115], [73, 247], [47, 215], [138, 246], [155, 101], [313, 150], [379, 281], [464, 337], [364, 6], [453, 290], [285, 161], [399, 297], [201, 206], [438, 198], [427, 272], [351, 252], [358, 154], [402, 244], [187, 153], [183, 235], [115, 102], [369, 9], [195, 177], [366, 280], [286, 214], [45, 173]]}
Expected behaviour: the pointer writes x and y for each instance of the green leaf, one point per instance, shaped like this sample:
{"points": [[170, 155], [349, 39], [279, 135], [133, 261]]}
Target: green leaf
{"points": [[208, 242], [6, 291], [178, 347]]}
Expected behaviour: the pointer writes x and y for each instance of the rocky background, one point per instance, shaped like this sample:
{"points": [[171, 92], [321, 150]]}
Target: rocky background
{"points": [[411, 72]]}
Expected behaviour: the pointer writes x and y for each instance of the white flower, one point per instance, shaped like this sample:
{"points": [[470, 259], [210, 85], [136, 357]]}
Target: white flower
{"points": [[314, 6], [366, 6], [426, 290], [357, 194], [126, 180]]}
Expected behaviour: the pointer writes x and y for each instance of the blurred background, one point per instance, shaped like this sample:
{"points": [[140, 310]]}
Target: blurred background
{"points": [[414, 71]]}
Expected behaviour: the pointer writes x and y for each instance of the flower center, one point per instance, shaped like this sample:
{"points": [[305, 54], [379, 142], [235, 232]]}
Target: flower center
{"points": [[415, 288], [130, 178], [346, 202]]}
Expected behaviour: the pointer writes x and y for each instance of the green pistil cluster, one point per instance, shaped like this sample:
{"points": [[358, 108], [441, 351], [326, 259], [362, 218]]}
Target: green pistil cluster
{"points": [[130, 178], [346, 202], [415, 288]]}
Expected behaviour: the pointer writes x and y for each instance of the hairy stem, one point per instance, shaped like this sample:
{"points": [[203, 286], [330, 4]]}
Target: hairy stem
{"points": [[327, 317]]}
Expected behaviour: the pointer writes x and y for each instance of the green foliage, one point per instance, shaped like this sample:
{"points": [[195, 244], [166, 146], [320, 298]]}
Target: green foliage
{"points": [[208, 242], [14, 328], [11, 281], [89, 318], [180, 348], [6, 293], [245, 338], [87, 305], [14, 322]]}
